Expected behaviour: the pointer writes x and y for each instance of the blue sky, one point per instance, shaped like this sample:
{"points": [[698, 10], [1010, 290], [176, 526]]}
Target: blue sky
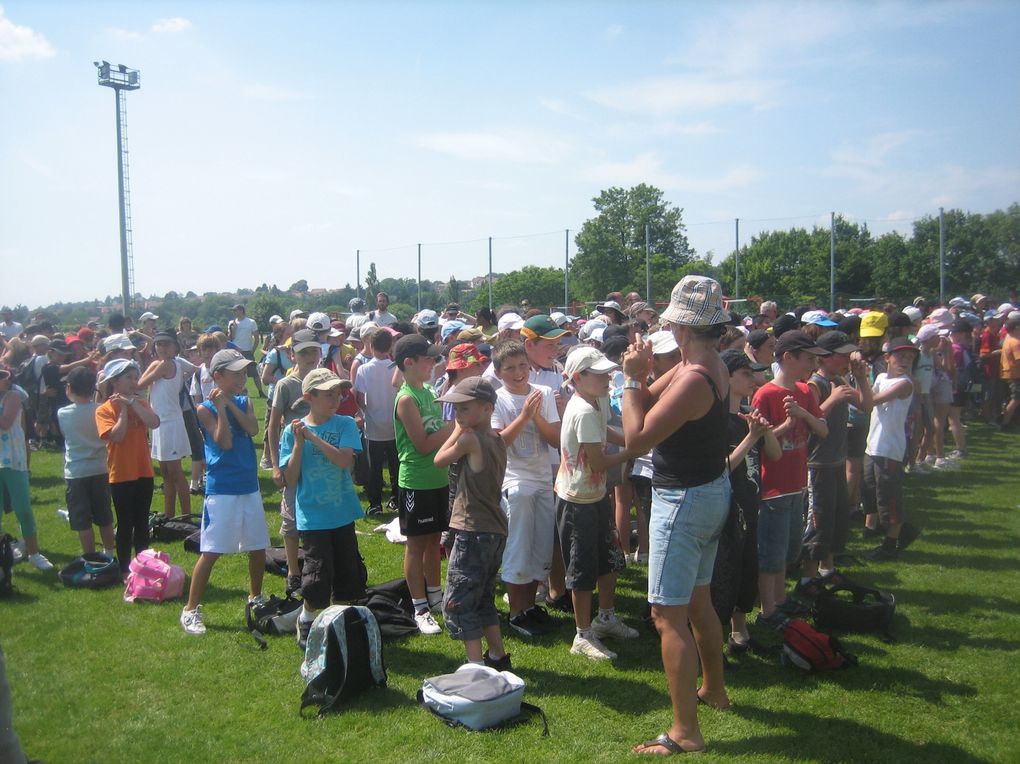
{"points": [[270, 141]]}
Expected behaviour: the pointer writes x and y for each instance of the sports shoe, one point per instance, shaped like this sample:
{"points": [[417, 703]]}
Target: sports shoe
{"points": [[293, 585], [883, 553], [426, 623], [303, 629], [523, 624], [929, 460], [564, 603], [500, 664], [591, 647], [908, 535], [374, 510], [946, 464], [614, 628], [40, 562], [258, 599], [541, 616], [541, 594], [775, 621], [871, 533], [808, 591], [392, 503], [192, 622], [265, 464], [18, 550], [957, 455], [920, 468]]}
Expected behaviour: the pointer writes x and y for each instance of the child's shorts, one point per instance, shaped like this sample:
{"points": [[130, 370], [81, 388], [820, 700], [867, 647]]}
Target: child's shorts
{"points": [[333, 567], [234, 524], [780, 530], [423, 511], [531, 518], [586, 536], [288, 500], [469, 603], [828, 521], [88, 502], [883, 489]]}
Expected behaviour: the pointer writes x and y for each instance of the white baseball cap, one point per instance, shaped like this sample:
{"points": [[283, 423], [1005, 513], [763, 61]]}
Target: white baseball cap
{"points": [[585, 358], [510, 321]]}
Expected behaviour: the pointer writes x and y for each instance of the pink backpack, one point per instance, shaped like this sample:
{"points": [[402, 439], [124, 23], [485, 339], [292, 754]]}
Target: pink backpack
{"points": [[153, 578]]}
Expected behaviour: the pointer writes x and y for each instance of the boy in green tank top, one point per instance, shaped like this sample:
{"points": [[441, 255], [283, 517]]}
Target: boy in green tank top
{"points": [[423, 498]]}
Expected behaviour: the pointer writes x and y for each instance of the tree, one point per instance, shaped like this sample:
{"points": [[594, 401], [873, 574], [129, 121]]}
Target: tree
{"points": [[452, 291], [372, 282], [262, 306], [611, 246], [301, 285], [543, 287]]}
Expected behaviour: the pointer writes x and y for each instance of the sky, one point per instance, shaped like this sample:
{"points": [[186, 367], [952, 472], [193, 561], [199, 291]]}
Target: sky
{"points": [[271, 141]]}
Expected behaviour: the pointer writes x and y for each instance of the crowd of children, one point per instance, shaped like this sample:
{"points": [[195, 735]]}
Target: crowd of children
{"points": [[747, 446]]}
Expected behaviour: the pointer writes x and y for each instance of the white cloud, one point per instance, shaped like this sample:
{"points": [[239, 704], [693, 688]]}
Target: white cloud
{"points": [[508, 146], [686, 93], [873, 152], [171, 25], [273, 93], [556, 106], [126, 35], [21, 43], [648, 168], [614, 31]]}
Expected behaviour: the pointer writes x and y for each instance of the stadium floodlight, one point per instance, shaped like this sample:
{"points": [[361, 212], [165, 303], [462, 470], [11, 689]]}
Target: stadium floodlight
{"points": [[121, 79]]}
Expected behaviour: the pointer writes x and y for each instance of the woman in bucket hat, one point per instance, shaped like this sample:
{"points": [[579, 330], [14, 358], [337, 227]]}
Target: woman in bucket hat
{"points": [[683, 415]]}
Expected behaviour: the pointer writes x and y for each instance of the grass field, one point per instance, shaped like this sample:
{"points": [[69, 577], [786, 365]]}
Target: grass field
{"points": [[97, 680]]}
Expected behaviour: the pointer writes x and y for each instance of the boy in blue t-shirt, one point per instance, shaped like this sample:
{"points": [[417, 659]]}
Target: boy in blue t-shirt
{"points": [[233, 519], [317, 455]]}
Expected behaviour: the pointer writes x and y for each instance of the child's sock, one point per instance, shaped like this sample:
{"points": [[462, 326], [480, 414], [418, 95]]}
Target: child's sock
{"points": [[306, 616], [823, 572], [584, 633], [477, 663], [806, 580], [434, 595], [739, 637], [420, 605], [607, 613]]}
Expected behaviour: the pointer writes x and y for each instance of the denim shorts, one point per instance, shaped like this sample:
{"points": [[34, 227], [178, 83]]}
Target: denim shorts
{"points": [[780, 532], [683, 533]]}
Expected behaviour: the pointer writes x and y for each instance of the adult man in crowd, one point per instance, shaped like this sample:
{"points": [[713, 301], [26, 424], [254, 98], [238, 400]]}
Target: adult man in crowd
{"points": [[244, 333], [381, 314], [10, 328]]}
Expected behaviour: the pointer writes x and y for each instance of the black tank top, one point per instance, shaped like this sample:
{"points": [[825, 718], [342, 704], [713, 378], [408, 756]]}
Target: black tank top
{"points": [[696, 453]]}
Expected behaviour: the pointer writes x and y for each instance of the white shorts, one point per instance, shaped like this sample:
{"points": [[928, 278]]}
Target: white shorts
{"points": [[234, 524], [531, 515], [170, 441]]}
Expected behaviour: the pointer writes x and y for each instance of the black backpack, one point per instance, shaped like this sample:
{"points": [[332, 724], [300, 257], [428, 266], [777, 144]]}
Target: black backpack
{"points": [[94, 570], [846, 606], [6, 565], [162, 528], [276, 560], [275, 616], [391, 605]]}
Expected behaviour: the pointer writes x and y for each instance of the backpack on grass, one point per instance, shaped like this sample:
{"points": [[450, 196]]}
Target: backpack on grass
{"points": [[94, 570], [846, 606], [391, 605], [276, 560], [153, 578], [274, 616], [179, 528], [6, 565], [344, 657], [478, 698], [811, 650]]}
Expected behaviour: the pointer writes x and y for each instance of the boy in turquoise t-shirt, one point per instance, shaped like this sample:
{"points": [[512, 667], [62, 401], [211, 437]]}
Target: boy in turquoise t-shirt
{"points": [[423, 500], [317, 454]]}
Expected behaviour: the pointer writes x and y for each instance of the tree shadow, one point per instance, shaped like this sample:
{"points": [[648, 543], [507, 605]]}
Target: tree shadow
{"points": [[951, 640], [946, 603], [832, 739], [971, 540], [956, 561]]}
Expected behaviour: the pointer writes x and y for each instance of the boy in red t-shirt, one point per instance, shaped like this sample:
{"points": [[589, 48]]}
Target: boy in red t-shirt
{"points": [[791, 409]]}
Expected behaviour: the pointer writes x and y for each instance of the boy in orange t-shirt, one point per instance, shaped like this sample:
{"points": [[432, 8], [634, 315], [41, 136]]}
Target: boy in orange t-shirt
{"points": [[124, 421], [1010, 366]]}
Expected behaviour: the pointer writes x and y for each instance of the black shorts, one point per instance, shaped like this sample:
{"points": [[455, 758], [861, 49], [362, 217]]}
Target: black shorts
{"points": [[856, 441], [1014, 389], [589, 542], [883, 489], [333, 567], [423, 511], [195, 439], [959, 400], [469, 605], [88, 502], [828, 521]]}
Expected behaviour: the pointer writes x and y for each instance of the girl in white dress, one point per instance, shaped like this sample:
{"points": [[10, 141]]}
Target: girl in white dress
{"points": [[167, 376]]}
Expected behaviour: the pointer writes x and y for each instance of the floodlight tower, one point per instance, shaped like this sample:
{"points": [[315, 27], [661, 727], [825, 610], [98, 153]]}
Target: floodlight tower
{"points": [[122, 79]]}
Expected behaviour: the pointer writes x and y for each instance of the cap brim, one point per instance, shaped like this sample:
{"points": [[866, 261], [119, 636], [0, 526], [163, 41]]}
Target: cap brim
{"points": [[603, 367], [757, 366], [452, 397], [239, 365], [847, 348], [915, 348], [304, 345], [327, 385], [815, 350]]}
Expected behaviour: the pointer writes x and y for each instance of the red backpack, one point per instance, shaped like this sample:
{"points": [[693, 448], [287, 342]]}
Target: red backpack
{"points": [[809, 649]]}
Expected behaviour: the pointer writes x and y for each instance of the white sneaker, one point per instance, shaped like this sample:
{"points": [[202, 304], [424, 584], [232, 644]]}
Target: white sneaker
{"points": [[929, 460], [258, 599], [614, 628], [946, 464], [541, 594], [40, 562], [192, 622], [920, 468], [591, 648], [426, 623], [957, 456]]}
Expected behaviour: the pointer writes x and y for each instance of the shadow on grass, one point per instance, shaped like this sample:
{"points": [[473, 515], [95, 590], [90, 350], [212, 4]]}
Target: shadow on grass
{"points": [[971, 540], [808, 737], [946, 603], [951, 640], [957, 561]]}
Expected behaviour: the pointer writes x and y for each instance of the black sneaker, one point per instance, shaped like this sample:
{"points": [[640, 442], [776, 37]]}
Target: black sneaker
{"points": [[500, 664], [793, 609], [541, 616], [908, 535], [525, 626], [776, 621], [392, 503], [375, 509], [872, 533], [808, 591], [564, 603], [883, 553], [303, 628], [293, 585]]}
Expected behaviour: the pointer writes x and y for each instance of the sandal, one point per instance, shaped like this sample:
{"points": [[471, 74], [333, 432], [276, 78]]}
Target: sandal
{"points": [[665, 741]]}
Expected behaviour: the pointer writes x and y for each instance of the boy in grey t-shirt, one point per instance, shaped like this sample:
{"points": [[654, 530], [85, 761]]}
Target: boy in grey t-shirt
{"points": [[87, 482]]}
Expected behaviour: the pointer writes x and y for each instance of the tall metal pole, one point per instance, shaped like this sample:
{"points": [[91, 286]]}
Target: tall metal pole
{"points": [[942, 257], [736, 256], [832, 261], [490, 273], [648, 263], [358, 267], [125, 288], [419, 277], [566, 270]]}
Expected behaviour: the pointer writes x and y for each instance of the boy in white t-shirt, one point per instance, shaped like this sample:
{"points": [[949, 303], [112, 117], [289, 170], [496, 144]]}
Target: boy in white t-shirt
{"points": [[526, 417], [886, 449], [376, 395]]}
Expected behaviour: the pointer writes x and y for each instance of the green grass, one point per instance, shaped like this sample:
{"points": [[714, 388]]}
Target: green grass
{"points": [[97, 680]]}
